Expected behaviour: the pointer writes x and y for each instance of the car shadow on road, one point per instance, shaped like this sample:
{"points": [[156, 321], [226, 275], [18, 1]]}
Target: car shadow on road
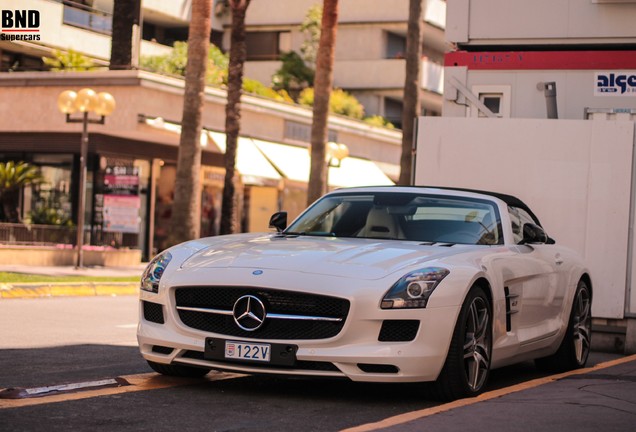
{"points": [[36, 367]]}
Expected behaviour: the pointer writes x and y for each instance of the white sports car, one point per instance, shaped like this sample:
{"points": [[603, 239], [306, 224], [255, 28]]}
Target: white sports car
{"points": [[385, 284]]}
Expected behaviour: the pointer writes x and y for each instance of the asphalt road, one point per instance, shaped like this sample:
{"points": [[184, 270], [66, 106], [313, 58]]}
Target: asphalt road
{"points": [[45, 342]]}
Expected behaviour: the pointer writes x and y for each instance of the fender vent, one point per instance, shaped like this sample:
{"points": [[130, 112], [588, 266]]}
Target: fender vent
{"points": [[511, 304]]}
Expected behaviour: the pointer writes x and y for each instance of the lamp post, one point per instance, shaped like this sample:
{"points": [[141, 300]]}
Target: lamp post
{"points": [[84, 101]]}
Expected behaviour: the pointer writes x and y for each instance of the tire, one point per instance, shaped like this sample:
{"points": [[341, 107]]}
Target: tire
{"points": [[178, 370], [467, 366], [575, 347]]}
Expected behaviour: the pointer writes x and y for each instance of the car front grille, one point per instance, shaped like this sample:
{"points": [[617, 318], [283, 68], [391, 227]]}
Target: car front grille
{"points": [[307, 316]]}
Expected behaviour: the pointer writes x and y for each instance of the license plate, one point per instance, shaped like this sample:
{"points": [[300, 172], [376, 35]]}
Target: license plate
{"points": [[247, 351]]}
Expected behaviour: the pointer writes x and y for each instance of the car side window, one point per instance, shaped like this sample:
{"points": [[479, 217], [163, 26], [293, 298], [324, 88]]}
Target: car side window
{"points": [[519, 217]]}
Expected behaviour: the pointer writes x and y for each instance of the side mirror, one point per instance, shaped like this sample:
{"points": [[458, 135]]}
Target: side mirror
{"points": [[533, 234], [278, 221]]}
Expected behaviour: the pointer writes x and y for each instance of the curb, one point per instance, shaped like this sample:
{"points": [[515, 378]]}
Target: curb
{"points": [[66, 289]]}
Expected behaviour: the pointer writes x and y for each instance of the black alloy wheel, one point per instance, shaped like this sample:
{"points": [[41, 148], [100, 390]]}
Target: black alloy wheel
{"points": [[575, 347], [467, 367]]}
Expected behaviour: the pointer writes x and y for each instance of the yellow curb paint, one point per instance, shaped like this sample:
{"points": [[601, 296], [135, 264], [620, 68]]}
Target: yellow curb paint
{"points": [[415, 415], [72, 290], [131, 289], [141, 382], [36, 290], [17, 292]]}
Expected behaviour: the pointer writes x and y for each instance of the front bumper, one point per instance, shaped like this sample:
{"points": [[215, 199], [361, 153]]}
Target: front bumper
{"points": [[355, 353]]}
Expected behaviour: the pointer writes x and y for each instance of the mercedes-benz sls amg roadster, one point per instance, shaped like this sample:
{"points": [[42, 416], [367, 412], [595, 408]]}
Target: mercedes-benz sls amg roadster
{"points": [[384, 284]]}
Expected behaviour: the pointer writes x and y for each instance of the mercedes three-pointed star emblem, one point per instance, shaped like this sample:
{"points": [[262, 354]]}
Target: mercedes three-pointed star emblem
{"points": [[249, 313]]}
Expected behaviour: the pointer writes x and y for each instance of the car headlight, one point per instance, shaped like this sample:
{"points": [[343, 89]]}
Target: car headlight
{"points": [[154, 271], [414, 289]]}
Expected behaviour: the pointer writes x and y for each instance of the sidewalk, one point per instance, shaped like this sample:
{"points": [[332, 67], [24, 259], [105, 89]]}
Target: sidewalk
{"points": [[49, 289], [602, 397]]}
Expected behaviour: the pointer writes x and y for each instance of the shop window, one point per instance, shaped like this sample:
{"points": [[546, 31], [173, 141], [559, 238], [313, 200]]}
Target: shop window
{"points": [[50, 203]]}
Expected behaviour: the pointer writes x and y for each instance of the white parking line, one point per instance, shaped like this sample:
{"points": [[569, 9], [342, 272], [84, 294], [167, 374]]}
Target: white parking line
{"points": [[141, 382]]}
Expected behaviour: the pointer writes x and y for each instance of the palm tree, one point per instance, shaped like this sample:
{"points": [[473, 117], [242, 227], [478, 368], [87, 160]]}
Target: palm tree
{"points": [[322, 90], [125, 17], [238, 54], [411, 108], [13, 177], [187, 194]]}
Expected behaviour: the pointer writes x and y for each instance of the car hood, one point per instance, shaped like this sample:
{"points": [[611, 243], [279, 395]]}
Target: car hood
{"points": [[343, 257]]}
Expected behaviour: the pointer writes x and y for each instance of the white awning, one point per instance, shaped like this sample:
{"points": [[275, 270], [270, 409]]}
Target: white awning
{"points": [[295, 162], [250, 162]]}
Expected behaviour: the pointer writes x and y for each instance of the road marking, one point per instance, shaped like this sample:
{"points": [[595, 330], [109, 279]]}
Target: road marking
{"points": [[21, 393], [140, 382], [415, 415]]}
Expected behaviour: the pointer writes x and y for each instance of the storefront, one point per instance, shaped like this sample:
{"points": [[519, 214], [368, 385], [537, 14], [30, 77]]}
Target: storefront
{"points": [[127, 181]]}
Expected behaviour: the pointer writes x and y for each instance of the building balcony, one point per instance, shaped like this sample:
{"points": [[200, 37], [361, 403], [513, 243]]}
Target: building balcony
{"points": [[261, 13], [382, 74]]}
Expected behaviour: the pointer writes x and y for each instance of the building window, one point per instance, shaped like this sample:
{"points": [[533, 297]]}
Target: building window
{"points": [[267, 45], [395, 45], [393, 112], [81, 15], [12, 62], [295, 131], [496, 99]]}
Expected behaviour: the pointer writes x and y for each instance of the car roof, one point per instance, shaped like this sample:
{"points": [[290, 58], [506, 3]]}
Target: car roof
{"points": [[510, 200]]}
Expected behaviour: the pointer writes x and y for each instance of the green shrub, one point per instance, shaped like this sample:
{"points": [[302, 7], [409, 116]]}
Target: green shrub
{"points": [[294, 74], [260, 89], [69, 61], [377, 120], [175, 63], [340, 102]]}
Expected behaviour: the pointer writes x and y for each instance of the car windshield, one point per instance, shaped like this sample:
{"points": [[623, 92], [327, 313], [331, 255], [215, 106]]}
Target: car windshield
{"points": [[402, 216]]}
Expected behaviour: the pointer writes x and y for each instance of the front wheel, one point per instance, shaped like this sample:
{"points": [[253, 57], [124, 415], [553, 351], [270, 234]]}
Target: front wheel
{"points": [[467, 367], [575, 348]]}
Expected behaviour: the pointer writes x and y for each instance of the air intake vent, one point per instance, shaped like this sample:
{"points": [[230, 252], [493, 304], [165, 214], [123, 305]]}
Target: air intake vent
{"points": [[378, 368], [153, 312], [162, 349], [398, 330]]}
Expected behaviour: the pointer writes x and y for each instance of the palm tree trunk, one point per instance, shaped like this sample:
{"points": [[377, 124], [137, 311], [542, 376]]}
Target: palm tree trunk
{"points": [[411, 108], [187, 201], [322, 90], [125, 16], [238, 54]]}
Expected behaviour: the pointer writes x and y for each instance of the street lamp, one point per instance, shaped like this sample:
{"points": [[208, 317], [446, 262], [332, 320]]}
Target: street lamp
{"points": [[334, 155], [85, 101]]}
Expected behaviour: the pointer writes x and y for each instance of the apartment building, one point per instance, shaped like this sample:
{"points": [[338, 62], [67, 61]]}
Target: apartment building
{"points": [[370, 47]]}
